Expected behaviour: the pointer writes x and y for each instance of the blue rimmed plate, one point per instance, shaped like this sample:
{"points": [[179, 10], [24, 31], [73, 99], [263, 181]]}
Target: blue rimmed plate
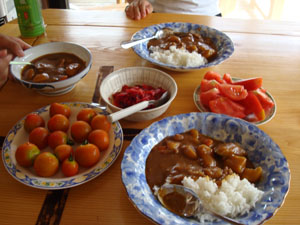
{"points": [[222, 42], [17, 135], [261, 149]]}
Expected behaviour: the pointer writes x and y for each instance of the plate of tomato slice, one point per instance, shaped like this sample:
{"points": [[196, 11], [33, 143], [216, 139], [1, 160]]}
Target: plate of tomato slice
{"points": [[19, 135], [236, 97]]}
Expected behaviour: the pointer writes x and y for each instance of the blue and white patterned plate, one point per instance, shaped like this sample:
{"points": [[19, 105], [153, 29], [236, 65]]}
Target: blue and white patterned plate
{"points": [[17, 135], [222, 42], [261, 150]]}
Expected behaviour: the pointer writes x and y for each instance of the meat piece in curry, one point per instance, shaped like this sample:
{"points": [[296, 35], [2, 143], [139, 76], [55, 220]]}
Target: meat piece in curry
{"points": [[193, 154], [53, 67]]}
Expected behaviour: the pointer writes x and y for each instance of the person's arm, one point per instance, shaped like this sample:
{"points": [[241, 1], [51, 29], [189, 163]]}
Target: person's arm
{"points": [[138, 9], [9, 48]]}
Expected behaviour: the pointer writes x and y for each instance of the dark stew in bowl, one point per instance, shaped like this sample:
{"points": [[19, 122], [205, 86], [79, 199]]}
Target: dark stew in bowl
{"points": [[53, 67]]}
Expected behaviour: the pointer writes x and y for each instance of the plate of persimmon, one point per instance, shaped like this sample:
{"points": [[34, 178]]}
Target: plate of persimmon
{"points": [[61, 145]]}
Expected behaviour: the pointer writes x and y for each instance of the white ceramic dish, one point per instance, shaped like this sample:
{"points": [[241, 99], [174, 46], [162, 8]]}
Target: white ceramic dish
{"points": [[17, 135], [137, 76], [59, 87], [269, 116], [261, 150], [222, 42]]}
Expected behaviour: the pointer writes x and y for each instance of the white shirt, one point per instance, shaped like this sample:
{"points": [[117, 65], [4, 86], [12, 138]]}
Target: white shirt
{"points": [[200, 7]]}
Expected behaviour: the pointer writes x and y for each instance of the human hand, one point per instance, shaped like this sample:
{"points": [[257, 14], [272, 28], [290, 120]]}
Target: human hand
{"points": [[9, 48], [138, 9], [14, 45]]}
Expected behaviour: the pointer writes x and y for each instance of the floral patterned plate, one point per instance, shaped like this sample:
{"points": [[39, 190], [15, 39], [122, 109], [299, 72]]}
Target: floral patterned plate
{"points": [[17, 135], [223, 43], [261, 149]]}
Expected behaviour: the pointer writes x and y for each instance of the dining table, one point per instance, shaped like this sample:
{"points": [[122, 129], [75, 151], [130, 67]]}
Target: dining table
{"points": [[262, 48]]}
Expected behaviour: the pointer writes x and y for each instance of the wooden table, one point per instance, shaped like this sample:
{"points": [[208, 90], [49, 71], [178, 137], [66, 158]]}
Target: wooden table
{"points": [[262, 48]]}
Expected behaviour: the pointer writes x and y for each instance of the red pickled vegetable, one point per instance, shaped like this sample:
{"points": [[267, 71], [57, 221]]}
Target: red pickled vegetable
{"points": [[130, 95]]}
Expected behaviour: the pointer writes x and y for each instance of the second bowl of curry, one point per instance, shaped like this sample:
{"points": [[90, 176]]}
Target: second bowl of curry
{"points": [[55, 67]]}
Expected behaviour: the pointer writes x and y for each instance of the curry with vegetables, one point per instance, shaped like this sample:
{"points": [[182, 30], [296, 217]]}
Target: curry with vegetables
{"points": [[53, 67], [195, 155]]}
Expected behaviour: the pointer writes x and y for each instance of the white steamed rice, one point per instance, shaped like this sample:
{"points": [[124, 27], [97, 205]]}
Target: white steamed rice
{"points": [[177, 57], [234, 197]]}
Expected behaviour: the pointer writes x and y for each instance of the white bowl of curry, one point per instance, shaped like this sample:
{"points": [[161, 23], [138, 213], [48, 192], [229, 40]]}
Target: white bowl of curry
{"points": [[57, 67]]}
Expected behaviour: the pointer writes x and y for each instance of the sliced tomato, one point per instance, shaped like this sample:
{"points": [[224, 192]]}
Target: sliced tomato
{"points": [[264, 99], [208, 84], [253, 105], [211, 75], [209, 95], [226, 106], [227, 78], [234, 92], [250, 84]]}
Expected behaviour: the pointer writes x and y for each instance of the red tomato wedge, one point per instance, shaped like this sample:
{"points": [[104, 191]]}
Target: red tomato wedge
{"points": [[209, 95], [226, 106], [227, 78], [211, 75], [264, 99], [208, 84], [253, 105], [250, 84], [232, 91]]}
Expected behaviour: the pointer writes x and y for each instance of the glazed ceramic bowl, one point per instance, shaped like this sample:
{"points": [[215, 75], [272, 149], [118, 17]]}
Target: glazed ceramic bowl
{"points": [[58, 87], [222, 42], [137, 76]]}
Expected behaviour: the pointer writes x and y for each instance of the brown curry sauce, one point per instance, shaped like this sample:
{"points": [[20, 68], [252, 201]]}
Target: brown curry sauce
{"points": [[53, 67], [195, 155]]}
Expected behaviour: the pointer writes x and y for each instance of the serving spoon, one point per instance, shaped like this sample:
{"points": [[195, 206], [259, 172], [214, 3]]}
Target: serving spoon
{"points": [[21, 63], [113, 117], [187, 202], [129, 44]]}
